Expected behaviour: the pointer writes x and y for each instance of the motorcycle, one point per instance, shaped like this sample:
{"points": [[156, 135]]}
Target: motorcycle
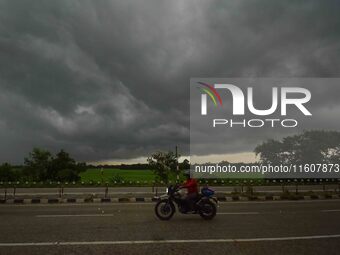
{"points": [[204, 205]]}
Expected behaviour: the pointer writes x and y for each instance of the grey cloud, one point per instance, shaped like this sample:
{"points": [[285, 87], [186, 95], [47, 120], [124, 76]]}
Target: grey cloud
{"points": [[110, 79]]}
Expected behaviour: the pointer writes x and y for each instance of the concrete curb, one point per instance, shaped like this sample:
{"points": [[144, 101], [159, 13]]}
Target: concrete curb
{"points": [[149, 199]]}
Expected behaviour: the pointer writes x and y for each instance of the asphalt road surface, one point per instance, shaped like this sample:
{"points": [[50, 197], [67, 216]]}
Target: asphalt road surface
{"points": [[147, 191], [282, 227]]}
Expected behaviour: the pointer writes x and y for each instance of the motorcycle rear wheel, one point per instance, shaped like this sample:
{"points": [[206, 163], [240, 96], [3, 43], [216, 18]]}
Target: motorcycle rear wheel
{"points": [[207, 210]]}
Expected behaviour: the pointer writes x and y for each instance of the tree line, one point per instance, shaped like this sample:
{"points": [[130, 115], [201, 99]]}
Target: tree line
{"points": [[41, 165], [314, 146]]}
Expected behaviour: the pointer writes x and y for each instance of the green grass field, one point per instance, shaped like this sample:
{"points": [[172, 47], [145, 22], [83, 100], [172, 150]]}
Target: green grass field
{"points": [[111, 174], [127, 176]]}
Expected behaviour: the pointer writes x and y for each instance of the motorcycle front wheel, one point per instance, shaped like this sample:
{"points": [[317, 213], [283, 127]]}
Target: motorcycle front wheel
{"points": [[164, 209]]}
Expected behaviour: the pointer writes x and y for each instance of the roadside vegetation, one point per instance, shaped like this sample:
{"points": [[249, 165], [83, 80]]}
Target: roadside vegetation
{"points": [[43, 168], [116, 175]]}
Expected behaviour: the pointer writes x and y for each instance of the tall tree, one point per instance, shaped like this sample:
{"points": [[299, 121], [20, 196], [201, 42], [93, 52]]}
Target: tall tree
{"points": [[37, 165], [163, 163], [309, 147], [65, 168], [42, 166], [185, 164], [6, 173]]}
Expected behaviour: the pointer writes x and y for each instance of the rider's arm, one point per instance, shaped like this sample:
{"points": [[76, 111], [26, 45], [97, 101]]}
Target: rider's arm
{"points": [[184, 185], [188, 184]]}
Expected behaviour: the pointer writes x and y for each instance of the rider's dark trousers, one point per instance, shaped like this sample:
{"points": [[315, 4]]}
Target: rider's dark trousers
{"points": [[191, 199]]}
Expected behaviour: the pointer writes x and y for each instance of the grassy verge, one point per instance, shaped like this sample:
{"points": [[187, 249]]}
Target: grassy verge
{"points": [[118, 175], [136, 177]]}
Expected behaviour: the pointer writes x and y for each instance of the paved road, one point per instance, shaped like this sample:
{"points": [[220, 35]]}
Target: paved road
{"points": [[145, 191], [304, 227]]}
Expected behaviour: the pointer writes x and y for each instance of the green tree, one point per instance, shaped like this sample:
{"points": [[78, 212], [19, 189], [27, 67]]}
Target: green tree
{"points": [[185, 164], [65, 168], [163, 164], [42, 166], [309, 147], [37, 165], [7, 173]]}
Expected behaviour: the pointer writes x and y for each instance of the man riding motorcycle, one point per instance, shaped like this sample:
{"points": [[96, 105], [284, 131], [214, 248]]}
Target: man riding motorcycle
{"points": [[195, 202], [192, 189]]}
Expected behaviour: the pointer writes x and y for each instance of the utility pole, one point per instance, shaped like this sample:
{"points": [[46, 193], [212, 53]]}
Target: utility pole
{"points": [[102, 174], [177, 166]]}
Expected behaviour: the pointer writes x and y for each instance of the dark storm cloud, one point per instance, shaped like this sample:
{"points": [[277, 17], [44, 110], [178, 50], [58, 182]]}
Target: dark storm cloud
{"points": [[110, 79]]}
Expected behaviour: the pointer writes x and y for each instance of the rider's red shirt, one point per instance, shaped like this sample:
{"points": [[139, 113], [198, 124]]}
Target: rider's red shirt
{"points": [[191, 185]]}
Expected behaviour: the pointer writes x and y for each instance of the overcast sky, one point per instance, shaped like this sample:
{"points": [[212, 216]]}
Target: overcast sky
{"points": [[109, 80]]}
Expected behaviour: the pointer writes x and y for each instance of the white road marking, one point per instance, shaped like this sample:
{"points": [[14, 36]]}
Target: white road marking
{"points": [[92, 204], [73, 215], [334, 210], [282, 201], [110, 215], [236, 213], [228, 240]]}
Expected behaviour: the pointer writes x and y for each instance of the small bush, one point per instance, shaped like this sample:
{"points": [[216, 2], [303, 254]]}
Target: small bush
{"points": [[117, 178]]}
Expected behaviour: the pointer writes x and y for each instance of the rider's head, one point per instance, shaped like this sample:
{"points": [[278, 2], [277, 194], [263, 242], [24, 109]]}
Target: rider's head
{"points": [[187, 174]]}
